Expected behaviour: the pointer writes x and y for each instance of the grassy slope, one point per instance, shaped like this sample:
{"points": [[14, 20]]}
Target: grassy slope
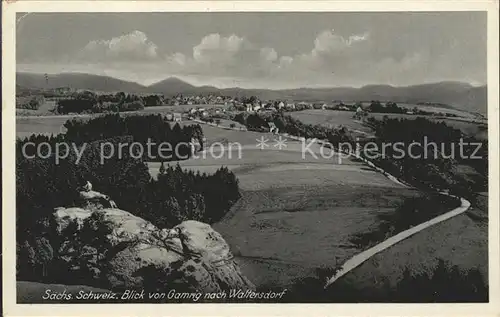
{"points": [[333, 198], [336, 118], [329, 118], [460, 240], [296, 213]]}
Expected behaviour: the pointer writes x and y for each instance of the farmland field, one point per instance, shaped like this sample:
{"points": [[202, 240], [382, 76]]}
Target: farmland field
{"points": [[331, 118], [40, 125], [297, 213], [179, 108], [433, 109], [344, 118], [34, 121], [461, 241], [477, 129]]}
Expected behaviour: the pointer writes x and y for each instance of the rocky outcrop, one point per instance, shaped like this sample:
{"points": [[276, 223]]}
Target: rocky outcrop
{"points": [[92, 199], [191, 255]]}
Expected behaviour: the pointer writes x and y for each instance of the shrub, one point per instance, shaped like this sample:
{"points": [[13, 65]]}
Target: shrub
{"points": [[444, 284], [155, 128], [131, 106], [153, 100], [77, 105], [412, 211], [42, 185], [30, 102], [424, 168]]}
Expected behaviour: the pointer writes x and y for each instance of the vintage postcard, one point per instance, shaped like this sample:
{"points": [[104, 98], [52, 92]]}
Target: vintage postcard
{"points": [[250, 158]]}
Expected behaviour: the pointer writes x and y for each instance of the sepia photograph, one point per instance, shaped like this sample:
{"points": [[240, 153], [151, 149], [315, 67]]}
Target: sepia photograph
{"points": [[252, 157]]}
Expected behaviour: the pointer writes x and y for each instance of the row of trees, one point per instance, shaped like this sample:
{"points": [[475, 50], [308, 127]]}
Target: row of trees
{"points": [[287, 124], [390, 107], [429, 165], [444, 283], [425, 166], [89, 102], [152, 129], [29, 102], [410, 212], [42, 185]]}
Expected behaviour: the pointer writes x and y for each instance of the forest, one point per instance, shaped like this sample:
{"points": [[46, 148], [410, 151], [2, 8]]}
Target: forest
{"points": [[43, 185]]}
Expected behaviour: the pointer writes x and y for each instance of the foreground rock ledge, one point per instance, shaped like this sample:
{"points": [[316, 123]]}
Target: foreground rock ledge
{"points": [[195, 256]]}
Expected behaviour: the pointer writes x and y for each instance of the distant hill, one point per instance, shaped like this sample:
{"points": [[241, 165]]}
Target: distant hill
{"points": [[77, 81], [172, 86], [459, 95]]}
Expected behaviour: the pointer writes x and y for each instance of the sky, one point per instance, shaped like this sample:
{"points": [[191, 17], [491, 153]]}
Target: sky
{"points": [[259, 50]]}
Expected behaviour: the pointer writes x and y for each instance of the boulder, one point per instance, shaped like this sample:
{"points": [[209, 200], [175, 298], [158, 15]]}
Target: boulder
{"points": [[64, 216], [191, 254], [92, 199]]}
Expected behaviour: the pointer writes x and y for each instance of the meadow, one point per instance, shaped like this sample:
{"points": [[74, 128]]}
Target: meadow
{"points": [[42, 121], [334, 118], [331, 118], [461, 241], [296, 213]]}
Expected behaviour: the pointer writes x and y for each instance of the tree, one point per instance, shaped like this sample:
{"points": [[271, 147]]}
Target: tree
{"points": [[195, 207], [162, 169], [171, 214], [44, 253]]}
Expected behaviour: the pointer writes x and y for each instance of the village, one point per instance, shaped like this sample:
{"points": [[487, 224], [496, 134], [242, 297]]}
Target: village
{"points": [[306, 157]]}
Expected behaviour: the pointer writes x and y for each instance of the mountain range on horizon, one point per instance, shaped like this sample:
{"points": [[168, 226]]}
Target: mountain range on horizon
{"points": [[459, 95]]}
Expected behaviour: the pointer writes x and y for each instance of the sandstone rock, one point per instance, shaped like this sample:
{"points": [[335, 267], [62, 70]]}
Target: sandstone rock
{"points": [[64, 216], [191, 254], [93, 199]]}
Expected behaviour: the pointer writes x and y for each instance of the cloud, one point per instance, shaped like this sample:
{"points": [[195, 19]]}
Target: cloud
{"points": [[214, 48], [222, 55], [132, 46], [268, 54], [328, 42], [333, 59]]}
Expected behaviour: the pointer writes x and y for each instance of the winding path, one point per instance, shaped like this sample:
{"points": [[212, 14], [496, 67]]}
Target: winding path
{"points": [[362, 257]]}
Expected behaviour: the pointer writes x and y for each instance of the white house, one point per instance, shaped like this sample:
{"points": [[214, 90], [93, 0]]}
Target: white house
{"points": [[281, 105], [272, 128], [177, 117], [195, 145]]}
